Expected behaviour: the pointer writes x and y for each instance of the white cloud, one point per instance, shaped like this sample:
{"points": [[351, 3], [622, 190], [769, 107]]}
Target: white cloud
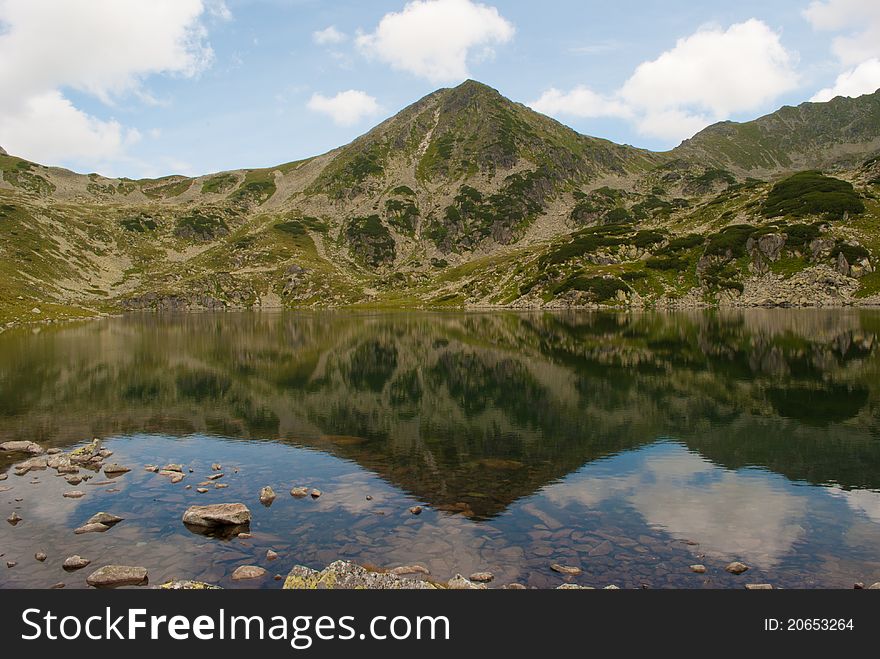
{"points": [[706, 77], [858, 49], [434, 39], [580, 102], [328, 36], [864, 79], [346, 108], [105, 48]]}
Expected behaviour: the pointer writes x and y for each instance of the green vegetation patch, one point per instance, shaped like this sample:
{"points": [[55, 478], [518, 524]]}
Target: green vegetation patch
{"points": [[812, 193], [219, 184], [257, 188], [300, 226], [139, 223], [370, 240], [20, 173], [730, 241], [163, 188], [402, 214], [600, 289], [201, 225], [585, 241]]}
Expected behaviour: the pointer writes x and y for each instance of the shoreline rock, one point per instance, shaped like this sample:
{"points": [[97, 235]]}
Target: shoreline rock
{"points": [[344, 575], [116, 576]]}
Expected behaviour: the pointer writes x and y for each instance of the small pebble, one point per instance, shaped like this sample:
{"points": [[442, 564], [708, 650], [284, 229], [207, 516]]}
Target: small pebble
{"points": [[416, 510], [40, 556], [315, 493]]}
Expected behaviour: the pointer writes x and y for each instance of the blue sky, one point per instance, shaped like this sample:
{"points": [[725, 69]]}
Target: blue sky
{"points": [[135, 88]]}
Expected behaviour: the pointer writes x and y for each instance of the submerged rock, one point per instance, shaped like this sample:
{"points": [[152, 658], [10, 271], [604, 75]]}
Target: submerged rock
{"points": [[759, 586], [185, 584], [116, 469], [408, 569], [737, 568], [75, 562], [104, 518], [271, 555], [699, 569], [482, 577], [220, 514], [34, 464], [91, 528], [315, 493], [344, 575], [458, 582], [573, 586], [248, 572], [74, 494], [114, 576], [566, 569], [14, 518], [299, 492], [416, 510], [41, 556]]}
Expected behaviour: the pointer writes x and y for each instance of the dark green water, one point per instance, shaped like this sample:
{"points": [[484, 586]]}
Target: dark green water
{"points": [[632, 446]]}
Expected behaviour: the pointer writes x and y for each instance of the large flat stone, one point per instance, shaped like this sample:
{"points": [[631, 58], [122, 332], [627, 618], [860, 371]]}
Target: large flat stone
{"points": [[221, 514], [114, 576]]}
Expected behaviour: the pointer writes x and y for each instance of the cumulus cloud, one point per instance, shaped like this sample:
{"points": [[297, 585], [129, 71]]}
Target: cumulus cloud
{"points": [[328, 36], [346, 108], [580, 102], [105, 48], [435, 39], [863, 79], [857, 50], [705, 77]]}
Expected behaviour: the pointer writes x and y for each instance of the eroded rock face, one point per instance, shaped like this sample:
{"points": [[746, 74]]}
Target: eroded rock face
{"points": [[114, 576], [221, 514], [343, 575]]}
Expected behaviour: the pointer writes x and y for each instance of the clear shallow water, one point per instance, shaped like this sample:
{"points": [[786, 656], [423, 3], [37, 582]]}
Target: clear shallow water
{"points": [[631, 446]]}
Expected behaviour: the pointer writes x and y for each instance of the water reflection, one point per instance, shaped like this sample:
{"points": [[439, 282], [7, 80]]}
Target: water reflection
{"points": [[694, 427]]}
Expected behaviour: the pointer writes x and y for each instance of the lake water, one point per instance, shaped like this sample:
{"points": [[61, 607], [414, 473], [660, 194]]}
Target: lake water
{"points": [[630, 445]]}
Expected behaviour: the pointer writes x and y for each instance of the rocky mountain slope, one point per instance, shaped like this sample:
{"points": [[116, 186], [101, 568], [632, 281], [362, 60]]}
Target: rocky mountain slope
{"points": [[466, 199]]}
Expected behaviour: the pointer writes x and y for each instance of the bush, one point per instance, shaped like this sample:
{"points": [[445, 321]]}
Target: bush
{"points": [[731, 239], [681, 244], [599, 288], [666, 263], [812, 193]]}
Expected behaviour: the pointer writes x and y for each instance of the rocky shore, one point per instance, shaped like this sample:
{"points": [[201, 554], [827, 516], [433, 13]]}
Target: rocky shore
{"points": [[232, 520]]}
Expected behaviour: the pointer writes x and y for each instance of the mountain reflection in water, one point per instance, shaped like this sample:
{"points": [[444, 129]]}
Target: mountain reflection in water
{"points": [[754, 433]]}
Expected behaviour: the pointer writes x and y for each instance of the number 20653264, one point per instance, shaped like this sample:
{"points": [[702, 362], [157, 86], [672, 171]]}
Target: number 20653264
{"points": [[809, 624]]}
